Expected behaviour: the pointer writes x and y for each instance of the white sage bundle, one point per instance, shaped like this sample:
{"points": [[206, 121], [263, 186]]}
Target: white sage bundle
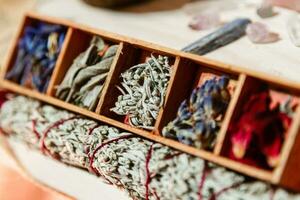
{"points": [[145, 170], [143, 91]]}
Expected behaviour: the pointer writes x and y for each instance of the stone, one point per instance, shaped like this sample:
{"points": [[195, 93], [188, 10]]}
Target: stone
{"points": [[205, 21], [266, 9], [259, 33]]}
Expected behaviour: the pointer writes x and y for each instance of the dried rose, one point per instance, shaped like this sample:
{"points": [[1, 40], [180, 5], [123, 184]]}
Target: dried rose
{"points": [[259, 129]]}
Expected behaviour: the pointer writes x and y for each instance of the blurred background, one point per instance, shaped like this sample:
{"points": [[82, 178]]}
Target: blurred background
{"points": [[166, 22]]}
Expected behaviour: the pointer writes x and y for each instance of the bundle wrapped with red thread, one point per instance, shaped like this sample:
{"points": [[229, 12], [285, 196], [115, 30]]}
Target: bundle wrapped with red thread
{"points": [[146, 170]]}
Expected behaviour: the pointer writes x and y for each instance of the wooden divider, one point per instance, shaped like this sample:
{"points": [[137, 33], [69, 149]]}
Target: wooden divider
{"points": [[220, 141], [170, 98], [187, 71], [12, 52], [287, 172], [131, 55], [188, 76], [106, 89], [127, 56], [60, 66]]}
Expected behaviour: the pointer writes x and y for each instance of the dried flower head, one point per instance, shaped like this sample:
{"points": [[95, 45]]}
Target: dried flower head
{"points": [[259, 132], [198, 119]]}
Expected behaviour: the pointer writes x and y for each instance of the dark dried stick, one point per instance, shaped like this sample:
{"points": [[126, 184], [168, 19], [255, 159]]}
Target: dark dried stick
{"points": [[228, 33]]}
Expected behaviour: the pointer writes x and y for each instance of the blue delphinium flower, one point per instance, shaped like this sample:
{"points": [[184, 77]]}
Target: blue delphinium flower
{"points": [[38, 50]]}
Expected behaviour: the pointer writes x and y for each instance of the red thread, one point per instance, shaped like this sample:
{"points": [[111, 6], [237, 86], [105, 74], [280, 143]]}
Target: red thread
{"points": [[92, 158], [203, 179], [92, 129], [148, 177], [215, 195], [3, 96], [103, 51], [45, 134], [126, 120], [36, 133]]}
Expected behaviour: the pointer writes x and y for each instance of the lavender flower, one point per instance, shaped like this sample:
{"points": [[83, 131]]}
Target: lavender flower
{"points": [[198, 119]]}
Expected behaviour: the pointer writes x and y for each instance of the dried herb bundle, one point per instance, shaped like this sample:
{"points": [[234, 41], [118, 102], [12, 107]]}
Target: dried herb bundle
{"points": [[143, 91], [144, 169], [38, 50], [198, 119], [84, 80]]}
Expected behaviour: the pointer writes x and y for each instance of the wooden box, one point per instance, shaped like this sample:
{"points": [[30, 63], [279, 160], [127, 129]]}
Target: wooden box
{"points": [[187, 70]]}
